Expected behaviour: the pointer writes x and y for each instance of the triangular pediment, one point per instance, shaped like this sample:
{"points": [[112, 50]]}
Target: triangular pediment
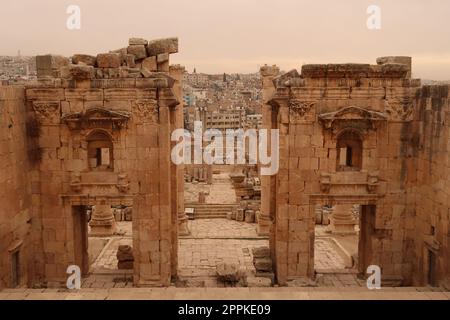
{"points": [[353, 113], [96, 117]]}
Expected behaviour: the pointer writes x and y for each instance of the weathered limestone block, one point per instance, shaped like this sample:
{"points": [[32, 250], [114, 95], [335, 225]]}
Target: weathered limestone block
{"points": [[125, 257], [121, 52], [396, 59], [163, 57], [138, 51], [263, 264], [240, 215], [258, 282], [113, 72], [228, 272], [84, 59], [250, 216], [146, 73], [137, 41], [164, 66], [261, 252], [284, 78], [78, 72], [169, 45], [150, 64], [264, 274], [130, 60], [47, 65], [108, 60]]}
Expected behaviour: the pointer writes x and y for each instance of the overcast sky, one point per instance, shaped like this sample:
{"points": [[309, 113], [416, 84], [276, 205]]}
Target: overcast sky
{"points": [[239, 35]]}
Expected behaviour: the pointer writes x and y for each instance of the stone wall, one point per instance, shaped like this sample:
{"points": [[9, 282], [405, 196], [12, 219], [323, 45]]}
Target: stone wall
{"points": [[312, 110], [429, 194], [19, 210], [129, 98]]}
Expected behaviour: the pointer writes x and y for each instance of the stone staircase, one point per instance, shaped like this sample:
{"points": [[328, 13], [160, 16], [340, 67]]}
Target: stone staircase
{"points": [[210, 211]]}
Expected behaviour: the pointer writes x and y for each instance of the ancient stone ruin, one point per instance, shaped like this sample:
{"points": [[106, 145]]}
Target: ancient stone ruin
{"points": [[95, 132]]}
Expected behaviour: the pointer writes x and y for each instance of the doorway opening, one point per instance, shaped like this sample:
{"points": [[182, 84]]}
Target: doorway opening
{"points": [[103, 245], [342, 243], [431, 266], [15, 269]]}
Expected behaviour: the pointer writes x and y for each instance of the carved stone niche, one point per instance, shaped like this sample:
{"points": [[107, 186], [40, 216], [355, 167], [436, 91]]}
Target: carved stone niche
{"points": [[352, 117], [97, 118]]}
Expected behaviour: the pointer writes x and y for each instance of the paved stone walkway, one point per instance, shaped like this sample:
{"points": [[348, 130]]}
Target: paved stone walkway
{"points": [[212, 241], [326, 257], [281, 293], [107, 260]]}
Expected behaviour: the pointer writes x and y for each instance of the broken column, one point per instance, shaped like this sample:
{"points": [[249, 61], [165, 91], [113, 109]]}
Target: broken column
{"points": [[268, 74], [102, 221], [262, 262]]}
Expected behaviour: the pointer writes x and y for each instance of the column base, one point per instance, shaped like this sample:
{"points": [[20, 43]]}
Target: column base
{"points": [[264, 226], [102, 228], [183, 229]]}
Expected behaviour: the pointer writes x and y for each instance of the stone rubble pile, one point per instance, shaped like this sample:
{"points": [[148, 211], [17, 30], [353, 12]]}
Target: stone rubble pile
{"points": [[228, 272], [125, 257], [263, 265], [140, 59]]}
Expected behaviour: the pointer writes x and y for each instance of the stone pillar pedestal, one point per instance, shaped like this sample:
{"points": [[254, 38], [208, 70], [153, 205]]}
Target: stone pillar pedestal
{"points": [[102, 221], [201, 197], [264, 224], [342, 220], [183, 229]]}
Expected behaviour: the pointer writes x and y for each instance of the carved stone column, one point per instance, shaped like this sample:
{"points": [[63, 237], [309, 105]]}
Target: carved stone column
{"points": [[177, 122], [268, 198], [102, 221], [342, 220]]}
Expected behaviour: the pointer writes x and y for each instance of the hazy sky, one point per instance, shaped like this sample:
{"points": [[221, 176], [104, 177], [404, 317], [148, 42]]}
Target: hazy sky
{"points": [[239, 35]]}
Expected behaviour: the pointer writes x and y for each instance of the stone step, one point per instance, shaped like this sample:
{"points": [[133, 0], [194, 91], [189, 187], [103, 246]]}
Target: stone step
{"points": [[209, 217], [210, 210]]}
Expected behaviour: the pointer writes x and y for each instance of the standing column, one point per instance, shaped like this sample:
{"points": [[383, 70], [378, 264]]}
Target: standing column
{"points": [[177, 72], [268, 73]]}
